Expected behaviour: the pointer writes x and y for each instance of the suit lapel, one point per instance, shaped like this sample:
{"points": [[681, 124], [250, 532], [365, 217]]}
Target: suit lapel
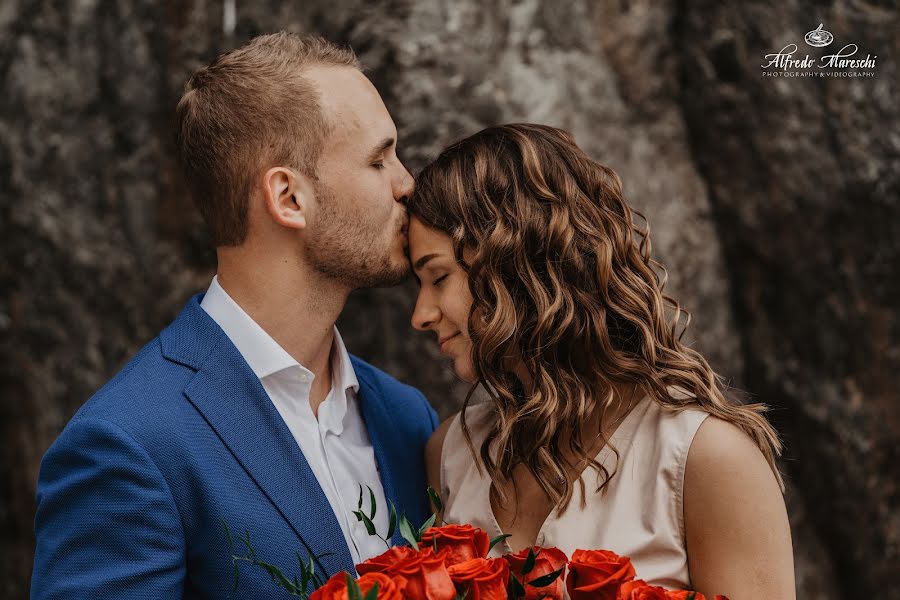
{"points": [[232, 400], [378, 425]]}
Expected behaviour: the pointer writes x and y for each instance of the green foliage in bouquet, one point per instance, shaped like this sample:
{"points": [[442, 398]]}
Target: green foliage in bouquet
{"points": [[516, 587], [313, 573], [295, 586], [298, 584]]}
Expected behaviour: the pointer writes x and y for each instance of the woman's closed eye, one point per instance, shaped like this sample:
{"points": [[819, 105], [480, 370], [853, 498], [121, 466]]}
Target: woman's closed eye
{"points": [[439, 280]]}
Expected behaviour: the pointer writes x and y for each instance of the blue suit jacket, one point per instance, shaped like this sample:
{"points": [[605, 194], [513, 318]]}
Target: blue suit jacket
{"points": [[133, 494]]}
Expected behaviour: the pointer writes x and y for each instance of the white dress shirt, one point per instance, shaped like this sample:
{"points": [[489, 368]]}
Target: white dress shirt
{"points": [[336, 445]]}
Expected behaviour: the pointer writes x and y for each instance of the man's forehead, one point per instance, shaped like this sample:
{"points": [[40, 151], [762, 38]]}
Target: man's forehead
{"points": [[350, 102]]}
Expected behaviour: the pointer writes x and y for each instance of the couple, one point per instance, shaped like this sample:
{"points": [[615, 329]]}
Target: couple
{"points": [[601, 430]]}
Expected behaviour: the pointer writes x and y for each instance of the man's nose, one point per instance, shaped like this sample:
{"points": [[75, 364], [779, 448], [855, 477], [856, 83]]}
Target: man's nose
{"points": [[405, 185]]}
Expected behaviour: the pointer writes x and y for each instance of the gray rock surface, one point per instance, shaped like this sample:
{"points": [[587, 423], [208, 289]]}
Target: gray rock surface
{"points": [[804, 180], [773, 204]]}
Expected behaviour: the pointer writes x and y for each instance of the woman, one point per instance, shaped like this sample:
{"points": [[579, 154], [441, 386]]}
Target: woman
{"points": [[602, 429]]}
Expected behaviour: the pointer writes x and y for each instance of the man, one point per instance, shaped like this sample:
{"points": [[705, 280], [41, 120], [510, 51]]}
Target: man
{"points": [[247, 410]]}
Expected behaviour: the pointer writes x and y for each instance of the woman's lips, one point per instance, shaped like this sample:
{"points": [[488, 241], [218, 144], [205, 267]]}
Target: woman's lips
{"points": [[446, 340]]}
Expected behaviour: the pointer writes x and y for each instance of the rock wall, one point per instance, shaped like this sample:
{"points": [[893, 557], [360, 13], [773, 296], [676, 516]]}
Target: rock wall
{"points": [[773, 205], [804, 181]]}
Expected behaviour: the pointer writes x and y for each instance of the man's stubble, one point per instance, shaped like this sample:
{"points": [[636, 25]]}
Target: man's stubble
{"points": [[349, 250]]}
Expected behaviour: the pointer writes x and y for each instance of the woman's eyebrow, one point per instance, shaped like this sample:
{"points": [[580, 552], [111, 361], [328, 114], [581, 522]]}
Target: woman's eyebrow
{"points": [[421, 262]]}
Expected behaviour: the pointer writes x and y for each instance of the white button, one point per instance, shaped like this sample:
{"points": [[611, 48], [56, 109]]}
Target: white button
{"points": [[304, 377]]}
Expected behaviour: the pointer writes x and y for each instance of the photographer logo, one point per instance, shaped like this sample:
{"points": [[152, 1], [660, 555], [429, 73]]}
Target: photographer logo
{"points": [[846, 62], [819, 37]]}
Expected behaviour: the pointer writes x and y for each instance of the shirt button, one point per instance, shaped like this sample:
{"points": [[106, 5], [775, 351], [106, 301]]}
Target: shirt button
{"points": [[304, 377]]}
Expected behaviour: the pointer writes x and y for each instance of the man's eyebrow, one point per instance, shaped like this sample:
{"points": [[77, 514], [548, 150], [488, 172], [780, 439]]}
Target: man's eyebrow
{"points": [[384, 145], [421, 262]]}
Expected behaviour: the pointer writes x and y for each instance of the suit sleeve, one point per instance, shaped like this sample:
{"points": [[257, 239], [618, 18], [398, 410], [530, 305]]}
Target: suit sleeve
{"points": [[432, 415], [106, 525]]}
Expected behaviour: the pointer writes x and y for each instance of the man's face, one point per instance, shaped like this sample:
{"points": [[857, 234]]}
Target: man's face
{"points": [[359, 229]]}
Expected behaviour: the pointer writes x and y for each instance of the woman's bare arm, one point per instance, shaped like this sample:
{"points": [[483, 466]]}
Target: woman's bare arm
{"points": [[736, 524]]}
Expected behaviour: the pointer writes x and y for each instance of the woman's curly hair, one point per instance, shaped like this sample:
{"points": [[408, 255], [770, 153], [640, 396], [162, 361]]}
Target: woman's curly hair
{"points": [[564, 285]]}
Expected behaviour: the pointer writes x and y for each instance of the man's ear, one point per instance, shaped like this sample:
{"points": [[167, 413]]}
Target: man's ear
{"points": [[287, 195]]}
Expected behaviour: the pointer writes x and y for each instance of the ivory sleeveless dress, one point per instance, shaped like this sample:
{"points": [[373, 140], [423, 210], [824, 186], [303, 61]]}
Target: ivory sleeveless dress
{"points": [[639, 514]]}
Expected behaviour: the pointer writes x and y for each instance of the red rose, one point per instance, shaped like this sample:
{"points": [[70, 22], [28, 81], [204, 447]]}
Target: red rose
{"points": [[548, 560], [385, 560], [597, 574], [641, 590], [481, 578], [336, 587], [463, 542], [685, 594], [426, 575]]}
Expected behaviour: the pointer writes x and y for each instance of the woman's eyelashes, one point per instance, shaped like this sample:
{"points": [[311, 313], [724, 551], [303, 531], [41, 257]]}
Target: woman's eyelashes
{"points": [[378, 165], [439, 280]]}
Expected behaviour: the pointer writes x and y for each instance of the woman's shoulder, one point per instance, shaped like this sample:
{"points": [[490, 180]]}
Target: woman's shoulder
{"points": [[476, 416], [450, 429], [720, 447]]}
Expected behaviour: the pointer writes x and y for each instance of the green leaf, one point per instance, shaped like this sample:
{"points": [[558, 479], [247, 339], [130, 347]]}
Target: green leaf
{"points": [[276, 574], [546, 579], [370, 526], [691, 596], [315, 558], [228, 536], [529, 562], [317, 582], [425, 526], [237, 573], [518, 590], [392, 522], [358, 514], [359, 504], [372, 503], [497, 540], [246, 541], [353, 591], [372, 593], [313, 576], [408, 533], [435, 499], [304, 578]]}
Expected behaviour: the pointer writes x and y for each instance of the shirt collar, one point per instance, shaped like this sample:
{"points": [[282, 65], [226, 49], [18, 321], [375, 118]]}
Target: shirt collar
{"points": [[341, 367], [264, 355], [343, 382], [261, 352]]}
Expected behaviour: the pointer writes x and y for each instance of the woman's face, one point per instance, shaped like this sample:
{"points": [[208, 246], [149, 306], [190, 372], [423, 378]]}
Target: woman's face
{"points": [[444, 299]]}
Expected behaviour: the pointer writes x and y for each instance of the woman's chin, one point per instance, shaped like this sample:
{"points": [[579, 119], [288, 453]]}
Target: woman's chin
{"points": [[464, 370]]}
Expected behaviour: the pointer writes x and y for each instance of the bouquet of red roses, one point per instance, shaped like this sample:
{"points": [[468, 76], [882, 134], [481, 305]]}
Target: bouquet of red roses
{"points": [[450, 562]]}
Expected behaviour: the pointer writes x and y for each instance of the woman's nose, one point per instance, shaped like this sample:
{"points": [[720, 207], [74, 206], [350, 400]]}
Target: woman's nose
{"points": [[425, 314]]}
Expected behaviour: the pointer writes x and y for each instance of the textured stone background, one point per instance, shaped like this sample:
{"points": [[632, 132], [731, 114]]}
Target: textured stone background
{"points": [[773, 202]]}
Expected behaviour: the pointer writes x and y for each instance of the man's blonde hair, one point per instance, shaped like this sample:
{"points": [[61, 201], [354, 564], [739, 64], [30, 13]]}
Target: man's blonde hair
{"points": [[250, 109]]}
